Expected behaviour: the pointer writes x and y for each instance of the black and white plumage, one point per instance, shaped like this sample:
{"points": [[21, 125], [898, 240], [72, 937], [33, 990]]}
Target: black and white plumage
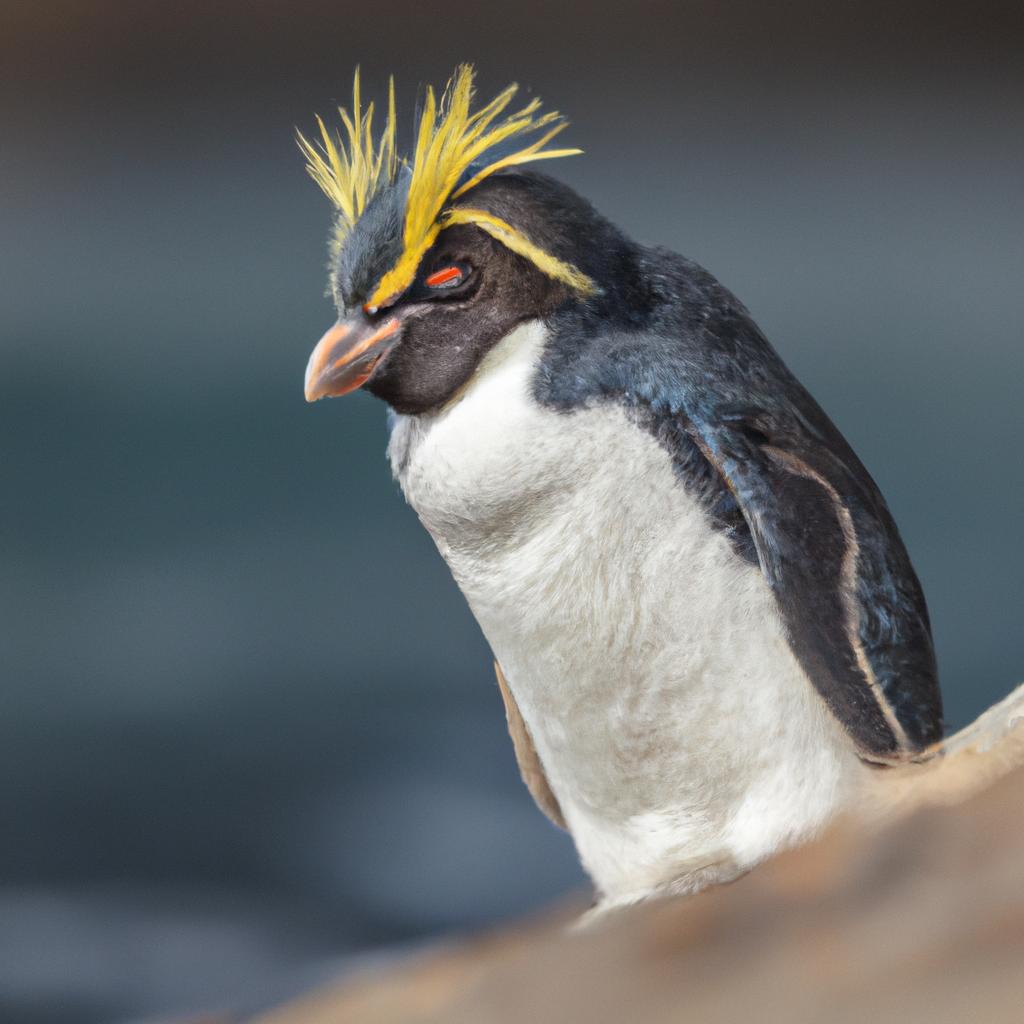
{"points": [[710, 630]]}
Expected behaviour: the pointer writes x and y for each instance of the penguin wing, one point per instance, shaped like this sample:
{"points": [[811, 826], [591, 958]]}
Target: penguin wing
{"points": [[688, 362], [852, 607]]}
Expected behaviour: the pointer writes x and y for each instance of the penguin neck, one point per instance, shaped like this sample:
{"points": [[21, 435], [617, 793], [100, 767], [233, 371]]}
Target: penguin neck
{"points": [[483, 416]]}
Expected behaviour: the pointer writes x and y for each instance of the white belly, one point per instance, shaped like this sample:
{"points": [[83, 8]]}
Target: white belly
{"points": [[677, 730]]}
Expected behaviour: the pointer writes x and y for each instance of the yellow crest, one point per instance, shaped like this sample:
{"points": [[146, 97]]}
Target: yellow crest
{"points": [[455, 150], [350, 173]]}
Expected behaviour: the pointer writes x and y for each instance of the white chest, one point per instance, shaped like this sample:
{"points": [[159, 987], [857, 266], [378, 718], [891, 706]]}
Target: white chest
{"points": [[674, 724]]}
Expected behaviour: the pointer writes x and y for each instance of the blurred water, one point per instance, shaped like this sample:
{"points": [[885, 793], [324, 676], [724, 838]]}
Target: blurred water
{"points": [[248, 727]]}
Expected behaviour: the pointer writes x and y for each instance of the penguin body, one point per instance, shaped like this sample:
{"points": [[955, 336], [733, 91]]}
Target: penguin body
{"points": [[674, 724], [708, 629]]}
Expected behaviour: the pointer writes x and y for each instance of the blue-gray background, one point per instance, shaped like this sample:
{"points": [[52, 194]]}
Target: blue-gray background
{"points": [[248, 726]]}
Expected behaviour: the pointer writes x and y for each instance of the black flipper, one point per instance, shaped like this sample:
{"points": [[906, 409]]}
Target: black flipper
{"points": [[850, 601], [677, 349]]}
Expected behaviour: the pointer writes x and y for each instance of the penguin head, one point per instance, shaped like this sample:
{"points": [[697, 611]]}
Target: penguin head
{"points": [[433, 261]]}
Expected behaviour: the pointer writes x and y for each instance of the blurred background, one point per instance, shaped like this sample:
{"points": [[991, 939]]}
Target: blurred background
{"points": [[249, 730]]}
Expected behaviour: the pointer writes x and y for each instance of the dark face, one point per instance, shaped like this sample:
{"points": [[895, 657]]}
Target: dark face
{"points": [[470, 291]]}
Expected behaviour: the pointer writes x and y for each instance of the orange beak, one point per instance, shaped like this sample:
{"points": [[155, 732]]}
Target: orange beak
{"points": [[347, 354]]}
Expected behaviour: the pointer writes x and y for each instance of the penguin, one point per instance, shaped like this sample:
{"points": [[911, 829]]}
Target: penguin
{"points": [[708, 634]]}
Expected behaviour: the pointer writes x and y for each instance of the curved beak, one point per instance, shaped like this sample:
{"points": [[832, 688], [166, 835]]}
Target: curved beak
{"points": [[347, 354]]}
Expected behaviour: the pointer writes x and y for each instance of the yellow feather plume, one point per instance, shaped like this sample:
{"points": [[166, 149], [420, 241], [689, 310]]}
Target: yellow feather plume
{"points": [[455, 150], [448, 142], [351, 170]]}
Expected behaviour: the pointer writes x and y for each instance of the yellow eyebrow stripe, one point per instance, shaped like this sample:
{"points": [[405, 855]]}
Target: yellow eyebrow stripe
{"points": [[520, 244]]}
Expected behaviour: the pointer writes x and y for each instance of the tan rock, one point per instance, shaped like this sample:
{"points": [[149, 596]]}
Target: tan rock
{"points": [[912, 910]]}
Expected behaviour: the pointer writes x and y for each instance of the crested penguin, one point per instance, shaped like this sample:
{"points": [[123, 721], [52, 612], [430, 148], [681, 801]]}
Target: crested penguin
{"points": [[707, 631]]}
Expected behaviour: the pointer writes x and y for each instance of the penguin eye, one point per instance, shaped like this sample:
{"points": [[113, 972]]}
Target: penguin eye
{"points": [[447, 277]]}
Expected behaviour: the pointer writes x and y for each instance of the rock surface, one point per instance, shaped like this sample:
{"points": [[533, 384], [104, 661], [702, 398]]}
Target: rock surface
{"points": [[912, 910]]}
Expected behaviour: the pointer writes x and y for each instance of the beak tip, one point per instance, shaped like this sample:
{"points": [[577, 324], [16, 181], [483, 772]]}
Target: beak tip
{"points": [[340, 363], [313, 384]]}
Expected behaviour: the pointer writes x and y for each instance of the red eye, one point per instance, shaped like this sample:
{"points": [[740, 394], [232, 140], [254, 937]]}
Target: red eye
{"points": [[449, 277]]}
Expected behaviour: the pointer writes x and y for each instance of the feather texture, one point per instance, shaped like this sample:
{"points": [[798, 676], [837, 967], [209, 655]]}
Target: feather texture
{"points": [[351, 168], [455, 150]]}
